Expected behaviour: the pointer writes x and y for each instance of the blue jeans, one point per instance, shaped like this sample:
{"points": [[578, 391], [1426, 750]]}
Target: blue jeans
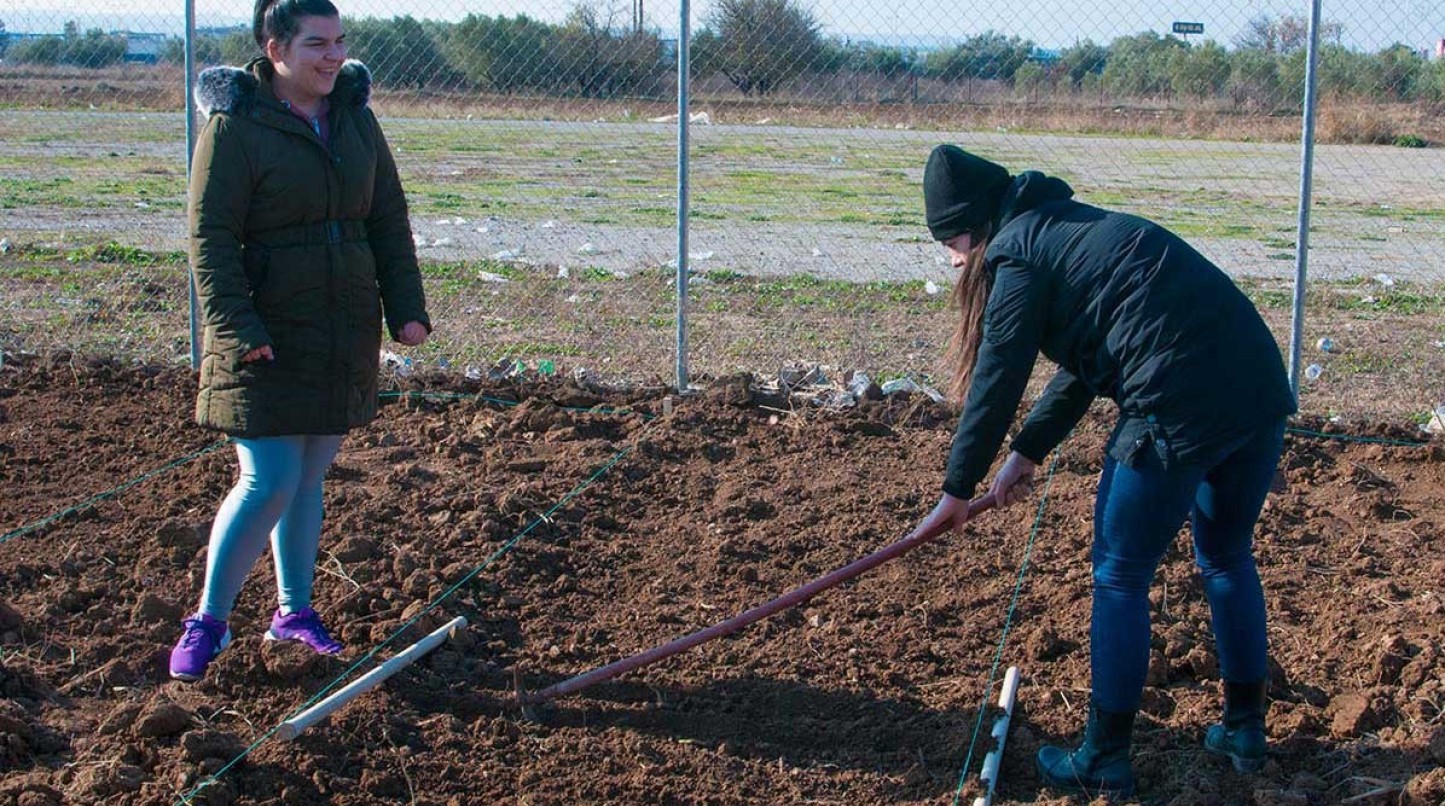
{"points": [[1137, 515], [278, 493]]}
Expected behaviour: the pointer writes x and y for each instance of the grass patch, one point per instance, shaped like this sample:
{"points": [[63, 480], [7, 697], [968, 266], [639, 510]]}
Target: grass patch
{"points": [[1401, 302], [112, 252], [1358, 296], [596, 274], [468, 271]]}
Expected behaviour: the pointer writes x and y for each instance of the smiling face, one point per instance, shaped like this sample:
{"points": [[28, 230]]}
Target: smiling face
{"points": [[307, 65]]}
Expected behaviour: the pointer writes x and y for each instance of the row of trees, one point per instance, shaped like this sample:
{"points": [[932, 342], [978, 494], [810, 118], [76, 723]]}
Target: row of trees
{"points": [[762, 46], [93, 48], [1267, 72]]}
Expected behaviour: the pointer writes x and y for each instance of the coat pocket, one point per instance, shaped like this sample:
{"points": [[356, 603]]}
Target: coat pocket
{"points": [[221, 362]]}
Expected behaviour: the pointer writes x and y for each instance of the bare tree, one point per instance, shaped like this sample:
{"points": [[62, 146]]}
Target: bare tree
{"points": [[759, 44], [1284, 34], [603, 57]]}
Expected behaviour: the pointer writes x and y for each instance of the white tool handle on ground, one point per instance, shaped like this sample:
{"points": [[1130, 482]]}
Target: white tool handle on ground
{"points": [[293, 727], [988, 777]]}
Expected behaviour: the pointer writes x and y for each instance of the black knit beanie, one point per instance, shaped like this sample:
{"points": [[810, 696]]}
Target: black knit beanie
{"points": [[961, 191]]}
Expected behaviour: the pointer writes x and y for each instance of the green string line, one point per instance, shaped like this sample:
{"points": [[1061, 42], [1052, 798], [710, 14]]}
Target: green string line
{"points": [[1363, 440], [1007, 624], [496, 555], [502, 402], [95, 499]]}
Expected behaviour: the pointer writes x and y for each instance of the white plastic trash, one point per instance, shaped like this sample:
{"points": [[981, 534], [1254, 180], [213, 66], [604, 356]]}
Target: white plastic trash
{"points": [[859, 383], [900, 385], [1436, 423]]}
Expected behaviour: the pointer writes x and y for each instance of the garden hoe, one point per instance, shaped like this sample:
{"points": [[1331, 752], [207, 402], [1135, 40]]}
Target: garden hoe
{"points": [[732, 625]]}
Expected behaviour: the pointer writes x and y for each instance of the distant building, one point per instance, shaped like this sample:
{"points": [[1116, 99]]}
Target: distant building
{"points": [[221, 30], [1044, 56], [142, 48], [1440, 49]]}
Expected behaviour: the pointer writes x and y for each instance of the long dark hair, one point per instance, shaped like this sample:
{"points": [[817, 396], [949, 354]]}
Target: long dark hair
{"points": [[281, 19], [970, 297]]}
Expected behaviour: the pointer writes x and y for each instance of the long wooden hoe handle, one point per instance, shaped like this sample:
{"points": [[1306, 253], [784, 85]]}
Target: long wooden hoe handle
{"points": [[758, 613]]}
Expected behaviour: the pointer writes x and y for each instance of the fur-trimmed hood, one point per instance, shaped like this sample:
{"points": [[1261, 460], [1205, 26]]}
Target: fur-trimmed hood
{"points": [[233, 89]]}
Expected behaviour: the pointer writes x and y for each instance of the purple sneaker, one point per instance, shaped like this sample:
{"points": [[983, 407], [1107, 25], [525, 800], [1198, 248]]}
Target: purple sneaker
{"points": [[305, 626], [202, 641]]}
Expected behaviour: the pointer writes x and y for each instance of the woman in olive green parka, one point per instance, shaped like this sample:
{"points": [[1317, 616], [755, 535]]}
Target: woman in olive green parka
{"points": [[300, 248], [295, 243]]}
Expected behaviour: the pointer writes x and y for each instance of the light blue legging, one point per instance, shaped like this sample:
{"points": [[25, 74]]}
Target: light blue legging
{"points": [[279, 493]]}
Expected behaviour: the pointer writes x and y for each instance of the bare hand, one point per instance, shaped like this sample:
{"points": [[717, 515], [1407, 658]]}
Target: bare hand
{"points": [[412, 334], [1015, 480], [950, 514], [264, 351]]}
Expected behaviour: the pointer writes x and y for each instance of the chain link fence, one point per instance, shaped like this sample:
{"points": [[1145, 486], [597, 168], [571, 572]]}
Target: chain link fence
{"points": [[538, 143]]}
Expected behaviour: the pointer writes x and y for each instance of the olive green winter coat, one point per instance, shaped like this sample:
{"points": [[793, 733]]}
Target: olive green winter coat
{"points": [[300, 244]]}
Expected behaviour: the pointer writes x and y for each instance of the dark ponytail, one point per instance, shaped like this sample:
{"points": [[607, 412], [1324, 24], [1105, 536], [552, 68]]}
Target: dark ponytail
{"points": [[281, 19], [970, 298]]}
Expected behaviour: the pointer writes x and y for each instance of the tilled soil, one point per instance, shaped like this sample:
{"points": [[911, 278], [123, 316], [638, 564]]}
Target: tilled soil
{"points": [[574, 527]]}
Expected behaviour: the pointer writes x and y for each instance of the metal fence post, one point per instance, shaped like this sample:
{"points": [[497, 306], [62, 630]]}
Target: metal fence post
{"points": [[1302, 237], [683, 68], [190, 59]]}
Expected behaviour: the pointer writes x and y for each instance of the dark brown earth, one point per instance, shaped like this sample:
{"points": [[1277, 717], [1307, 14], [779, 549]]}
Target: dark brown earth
{"points": [[868, 694]]}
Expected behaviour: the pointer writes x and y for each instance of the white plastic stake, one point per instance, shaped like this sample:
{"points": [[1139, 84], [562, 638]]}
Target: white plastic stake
{"points": [[988, 777], [293, 727]]}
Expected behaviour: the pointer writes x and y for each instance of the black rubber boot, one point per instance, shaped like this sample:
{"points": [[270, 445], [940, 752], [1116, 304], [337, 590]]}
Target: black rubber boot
{"points": [[1100, 766], [1241, 735]]}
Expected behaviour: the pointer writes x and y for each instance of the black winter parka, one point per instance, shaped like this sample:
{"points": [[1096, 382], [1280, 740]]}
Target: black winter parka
{"points": [[1128, 311]]}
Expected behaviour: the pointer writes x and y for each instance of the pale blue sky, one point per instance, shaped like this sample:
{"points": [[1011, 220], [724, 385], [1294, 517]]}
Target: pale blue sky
{"points": [[1368, 24]]}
